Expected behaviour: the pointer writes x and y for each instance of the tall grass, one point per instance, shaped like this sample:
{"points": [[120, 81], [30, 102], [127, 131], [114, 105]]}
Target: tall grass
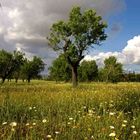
{"points": [[93, 111]]}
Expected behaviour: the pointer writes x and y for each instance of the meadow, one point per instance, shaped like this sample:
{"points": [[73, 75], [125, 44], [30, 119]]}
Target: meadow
{"points": [[45, 110]]}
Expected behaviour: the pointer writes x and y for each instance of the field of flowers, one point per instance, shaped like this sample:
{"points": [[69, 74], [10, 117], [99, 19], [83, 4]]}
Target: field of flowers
{"points": [[48, 111]]}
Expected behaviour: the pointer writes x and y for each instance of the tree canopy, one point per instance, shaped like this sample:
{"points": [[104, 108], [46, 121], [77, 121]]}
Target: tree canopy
{"points": [[73, 37], [60, 70], [88, 71], [9, 63], [112, 70], [32, 68]]}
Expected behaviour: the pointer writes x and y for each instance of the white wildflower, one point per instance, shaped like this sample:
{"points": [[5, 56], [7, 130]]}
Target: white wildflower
{"points": [[56, 132], [112, 127], [111, 113], [70, 119], [125, 121], [27, 124], [49, 136], [13, 124], [44, 120], [135, 132], [30, 108], [112, 134], [123, 125], [34, 123], [4, 123], [133, 126]]}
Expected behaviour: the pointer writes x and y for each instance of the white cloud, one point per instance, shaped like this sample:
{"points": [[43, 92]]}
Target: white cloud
{"points": [[25, 24], [130, 55], [132, 50]]}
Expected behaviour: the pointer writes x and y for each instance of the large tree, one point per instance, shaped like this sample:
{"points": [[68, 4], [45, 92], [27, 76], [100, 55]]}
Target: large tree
{"points": [[73, 37]]}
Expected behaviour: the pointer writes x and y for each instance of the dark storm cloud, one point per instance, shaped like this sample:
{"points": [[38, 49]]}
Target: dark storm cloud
{"points": [[26, 23]]}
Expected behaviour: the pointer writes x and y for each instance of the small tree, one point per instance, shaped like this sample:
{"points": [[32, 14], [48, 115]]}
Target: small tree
{"points": [[32, 69], [113, 70], [88, 71], [60, 70], [75, 36]]}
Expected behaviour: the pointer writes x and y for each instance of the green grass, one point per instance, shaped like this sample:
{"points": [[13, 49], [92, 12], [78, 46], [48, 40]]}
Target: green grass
{"points": [[48, 111]]}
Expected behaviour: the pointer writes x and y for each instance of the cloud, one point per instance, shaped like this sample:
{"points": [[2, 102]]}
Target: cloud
{"points": [[132, 50], [25, 24], [130, 55]]}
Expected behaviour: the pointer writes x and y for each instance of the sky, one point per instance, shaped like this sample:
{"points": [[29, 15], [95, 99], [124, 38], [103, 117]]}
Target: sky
{"points": [[25, 24]]}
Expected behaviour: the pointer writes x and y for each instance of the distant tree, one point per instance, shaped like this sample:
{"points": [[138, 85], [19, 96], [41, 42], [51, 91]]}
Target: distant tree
{"points": [[60, 70], [19, 61], [75, 36], [32, 68], [112, 70], [138, 77], [9, 63], [88, 71]]}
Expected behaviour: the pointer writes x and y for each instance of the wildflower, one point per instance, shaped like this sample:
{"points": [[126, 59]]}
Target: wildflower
{"points": [[125, 121], [69, 123], [123, 125], [111, 127], [4, 123], [27, 124], [34, 107], [112, 134], [90, 111], [44, 120], [84, 107], [70, 119], [133, 126], [13, 124], [135, 132], [34, 124], [49, 136], [111, 113], [30, 108], [56, 132]]}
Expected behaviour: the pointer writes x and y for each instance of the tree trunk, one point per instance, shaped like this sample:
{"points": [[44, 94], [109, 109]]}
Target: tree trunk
{"points": [[74, 76], [3, 79], [16, 80], [28, 80]]}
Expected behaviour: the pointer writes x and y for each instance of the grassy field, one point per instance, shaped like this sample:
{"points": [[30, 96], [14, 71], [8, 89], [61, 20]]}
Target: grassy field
{"points": [[49, 111]]}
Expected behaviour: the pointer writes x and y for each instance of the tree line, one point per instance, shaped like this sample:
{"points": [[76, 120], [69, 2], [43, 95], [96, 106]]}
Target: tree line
{"points": [[88, 71], [14, 65]]}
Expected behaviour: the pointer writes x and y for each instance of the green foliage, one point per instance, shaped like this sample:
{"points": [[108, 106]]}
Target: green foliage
{"points": [[60, 70], [112, 70], [88, 71], [75, 36], [32, 68], [9, 63]]}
